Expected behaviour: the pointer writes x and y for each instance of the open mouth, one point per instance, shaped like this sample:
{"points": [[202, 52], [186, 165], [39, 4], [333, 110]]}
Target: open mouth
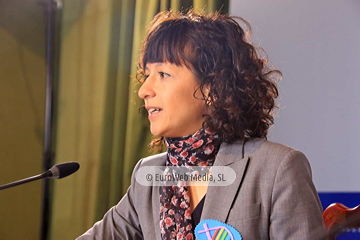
{"points": [[152, 111]]}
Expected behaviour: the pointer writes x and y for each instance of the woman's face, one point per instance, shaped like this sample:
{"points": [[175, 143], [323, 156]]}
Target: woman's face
{"points": [[168, 93]]}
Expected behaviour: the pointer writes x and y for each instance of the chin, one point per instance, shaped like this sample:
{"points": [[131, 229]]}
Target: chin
{"points": [[161, 134], [156, 133]]}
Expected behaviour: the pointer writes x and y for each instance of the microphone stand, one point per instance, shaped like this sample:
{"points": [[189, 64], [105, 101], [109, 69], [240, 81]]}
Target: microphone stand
{"points": [[26, 180], [51, 7]]}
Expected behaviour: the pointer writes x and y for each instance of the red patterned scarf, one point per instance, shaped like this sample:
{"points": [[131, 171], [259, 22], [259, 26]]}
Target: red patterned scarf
{"points": [[198, 149]]}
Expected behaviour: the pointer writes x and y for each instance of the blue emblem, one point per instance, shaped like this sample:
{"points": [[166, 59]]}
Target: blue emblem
{"points": [[210, 229]]}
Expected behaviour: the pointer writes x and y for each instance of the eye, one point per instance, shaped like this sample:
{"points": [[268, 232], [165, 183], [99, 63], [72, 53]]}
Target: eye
{"points": [[163, 75]]}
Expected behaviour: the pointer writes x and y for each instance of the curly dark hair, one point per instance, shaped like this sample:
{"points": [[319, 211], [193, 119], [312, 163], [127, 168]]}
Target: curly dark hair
{"points": [[240, 86]]}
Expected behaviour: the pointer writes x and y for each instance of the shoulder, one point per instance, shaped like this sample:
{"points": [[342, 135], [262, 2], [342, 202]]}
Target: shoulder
{"points": [[154, 160], [265, 153], [279, 154], [258, 146]]}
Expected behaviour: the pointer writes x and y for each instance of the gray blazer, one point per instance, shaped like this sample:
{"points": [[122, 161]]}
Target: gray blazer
{"points": [[273, 197]]}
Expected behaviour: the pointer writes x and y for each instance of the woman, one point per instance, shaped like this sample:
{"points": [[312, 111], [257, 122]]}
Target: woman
{"points": [[210, 96]]}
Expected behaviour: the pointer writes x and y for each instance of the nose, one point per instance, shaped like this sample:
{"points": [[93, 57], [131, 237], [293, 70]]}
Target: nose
{"points": [[146, 90]]}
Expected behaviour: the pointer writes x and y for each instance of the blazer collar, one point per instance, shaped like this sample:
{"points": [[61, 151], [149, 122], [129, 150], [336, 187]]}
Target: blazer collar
{"points": [[219, 199]]}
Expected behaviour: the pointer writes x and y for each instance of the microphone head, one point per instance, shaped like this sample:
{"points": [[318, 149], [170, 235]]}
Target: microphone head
{"points": [[62, 170]]}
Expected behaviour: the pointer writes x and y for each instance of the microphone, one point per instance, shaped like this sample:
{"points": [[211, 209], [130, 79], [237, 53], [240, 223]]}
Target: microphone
{"points": [[60, 170]]}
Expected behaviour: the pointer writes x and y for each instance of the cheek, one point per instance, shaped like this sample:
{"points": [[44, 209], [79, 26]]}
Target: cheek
{"points": [[183, 101], [196, 107]]}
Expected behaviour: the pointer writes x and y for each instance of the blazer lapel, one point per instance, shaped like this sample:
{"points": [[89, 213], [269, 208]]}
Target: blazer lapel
{"points": [[219, 199]]}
